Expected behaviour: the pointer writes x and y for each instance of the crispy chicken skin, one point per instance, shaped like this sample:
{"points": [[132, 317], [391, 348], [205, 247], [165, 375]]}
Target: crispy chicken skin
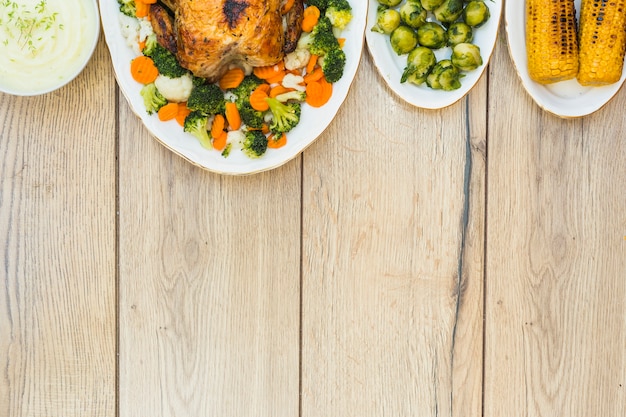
{"points": [[240, 31], [163, 27], [210, 36], [294, 26]]}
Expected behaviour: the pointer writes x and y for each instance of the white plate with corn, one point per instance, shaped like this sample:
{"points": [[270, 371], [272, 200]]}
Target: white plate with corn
{"points": [[587, 85]]}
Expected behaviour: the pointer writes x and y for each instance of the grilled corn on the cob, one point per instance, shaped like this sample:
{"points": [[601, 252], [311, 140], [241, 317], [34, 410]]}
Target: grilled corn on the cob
{"points": [[602, 41], [551, 40]]}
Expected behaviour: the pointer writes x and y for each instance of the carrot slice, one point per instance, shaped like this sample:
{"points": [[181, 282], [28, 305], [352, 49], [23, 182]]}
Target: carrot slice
{"points": [[269, 71], [218, 126], [310, 17], [279, 89], [274, 142], [314, 75], [265, 87], [168, 112], [310, 66], [232, 116], [232, 78], [257, 99], [219, 142], [183, 112], [143, 70], [277, 77], [318, 92], [142, 8]]}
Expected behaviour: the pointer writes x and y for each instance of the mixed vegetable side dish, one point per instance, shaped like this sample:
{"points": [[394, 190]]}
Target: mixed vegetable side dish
{"points": [[418, 29], [240, 106]]}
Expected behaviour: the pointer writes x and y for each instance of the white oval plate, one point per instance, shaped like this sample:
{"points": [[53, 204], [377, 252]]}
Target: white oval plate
{"points": [[313, 120], [566, 99], [391, 66]]}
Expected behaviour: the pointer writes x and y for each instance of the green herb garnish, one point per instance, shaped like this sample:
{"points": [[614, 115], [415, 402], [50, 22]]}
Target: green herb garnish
{"points": [[27, 26]]}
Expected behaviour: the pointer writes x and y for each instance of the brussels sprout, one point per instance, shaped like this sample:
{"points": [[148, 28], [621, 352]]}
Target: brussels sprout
{"points": [[419, 63], [459, 32], [432, 35], [444, 76], [413, 14], [389, 3], [386, 20], [476, 13], [431, 5], [466, 56], [403, 39], [449, 11]]}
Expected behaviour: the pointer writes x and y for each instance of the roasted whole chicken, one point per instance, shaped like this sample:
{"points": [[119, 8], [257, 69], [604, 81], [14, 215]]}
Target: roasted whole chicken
{"points": [[210, 36]]}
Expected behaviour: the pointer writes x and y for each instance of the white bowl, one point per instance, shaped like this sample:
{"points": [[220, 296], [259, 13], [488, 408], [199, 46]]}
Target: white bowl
{"points": [[57, 58]]}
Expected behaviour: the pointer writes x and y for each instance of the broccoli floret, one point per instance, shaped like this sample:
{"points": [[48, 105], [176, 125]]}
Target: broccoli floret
{"points": [[206, 98], [291, 95], [320, 4], [321, 39], [333, 64], [197, 80], [152, 98], [227, 149], [128, 7], [254, 144], [285, 116], [196, 124], [249, 116], [247, 86], [165, 61], [151, 44], [339, 12]]}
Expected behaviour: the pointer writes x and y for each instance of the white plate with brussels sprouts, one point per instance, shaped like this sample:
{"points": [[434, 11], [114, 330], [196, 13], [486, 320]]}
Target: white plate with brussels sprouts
{"points": [[566, 99], [432, 52]]}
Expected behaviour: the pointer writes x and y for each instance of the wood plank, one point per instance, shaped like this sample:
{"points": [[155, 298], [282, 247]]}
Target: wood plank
{"points": [[392, 258], [57, 208], [209, 303], [555, 281]]}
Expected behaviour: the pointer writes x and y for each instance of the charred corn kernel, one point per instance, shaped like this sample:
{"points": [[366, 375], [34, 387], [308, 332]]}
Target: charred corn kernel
{"points": [[602, 41], [551, 40]]}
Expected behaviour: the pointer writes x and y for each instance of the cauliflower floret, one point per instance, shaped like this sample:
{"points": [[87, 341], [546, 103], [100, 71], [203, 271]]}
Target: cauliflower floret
{"points": [[135, 30], [236, 137], [293, 81], [297, 59], [230, 96], [145, 29], [174, 89], [130, 31]]}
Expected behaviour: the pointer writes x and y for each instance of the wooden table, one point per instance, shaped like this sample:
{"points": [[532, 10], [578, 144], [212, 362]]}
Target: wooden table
{"points": [[469, 261]]}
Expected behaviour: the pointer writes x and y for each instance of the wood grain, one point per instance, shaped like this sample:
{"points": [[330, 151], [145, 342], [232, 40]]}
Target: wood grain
{"points": [[57, 216], [463, 262], [556, 271], [209, 285], [392, 264]]}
